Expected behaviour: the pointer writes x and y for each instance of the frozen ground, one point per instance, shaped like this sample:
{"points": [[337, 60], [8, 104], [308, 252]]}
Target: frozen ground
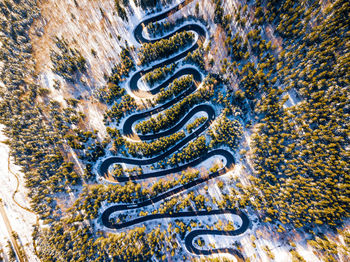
{"points": [[20, 219], [93, 25]]}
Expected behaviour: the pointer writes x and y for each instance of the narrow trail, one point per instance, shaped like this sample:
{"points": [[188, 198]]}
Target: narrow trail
{"points": [[21, 257], [127, 131], [18, 204], [17, 187]]}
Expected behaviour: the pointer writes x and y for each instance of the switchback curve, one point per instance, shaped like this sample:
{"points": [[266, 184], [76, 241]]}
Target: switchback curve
{"points": [[127, 131]]}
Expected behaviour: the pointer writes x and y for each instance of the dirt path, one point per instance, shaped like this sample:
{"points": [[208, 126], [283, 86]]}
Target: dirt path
{"points": [[9, 229], [18, 204]]}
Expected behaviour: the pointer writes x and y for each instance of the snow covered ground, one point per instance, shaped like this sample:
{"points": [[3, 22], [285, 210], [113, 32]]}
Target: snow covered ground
{"points": [[96, 27], [20, 219]]}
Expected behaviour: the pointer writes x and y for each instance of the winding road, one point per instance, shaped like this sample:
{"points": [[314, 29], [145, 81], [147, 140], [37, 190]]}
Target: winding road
{"points": [[128, 132]]}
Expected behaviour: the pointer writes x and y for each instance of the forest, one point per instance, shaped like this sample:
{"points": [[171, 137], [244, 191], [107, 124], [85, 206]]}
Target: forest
{"points": [[193, 150], [226, 131], [289, 92], [174, 114], [197, 122], [67, 61], [159, 74], [148, 149], [175, 88], [165, 47], [305, 167]]}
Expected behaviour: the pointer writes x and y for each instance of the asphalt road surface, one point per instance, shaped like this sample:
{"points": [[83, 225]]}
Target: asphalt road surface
{"points": [[127, 131]]}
